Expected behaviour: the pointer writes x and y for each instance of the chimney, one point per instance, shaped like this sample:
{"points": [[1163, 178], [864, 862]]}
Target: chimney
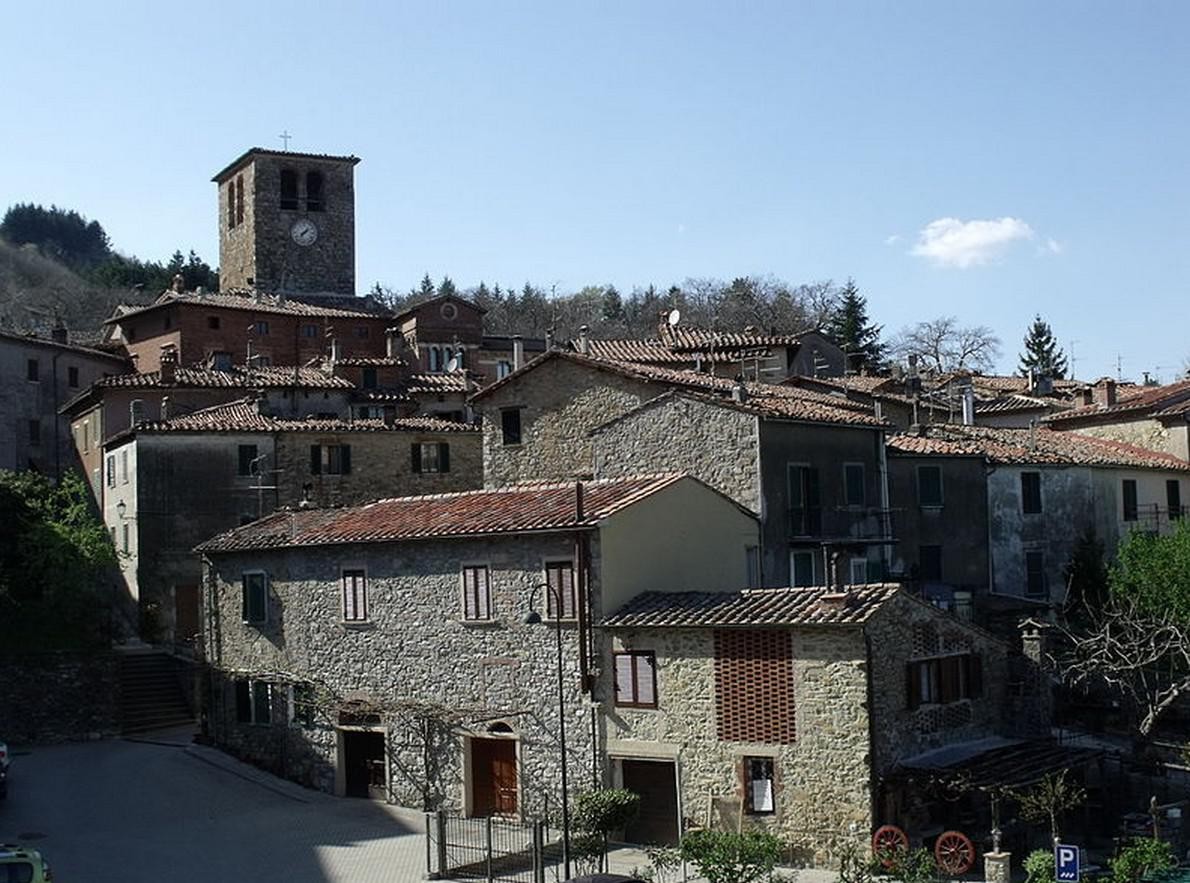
{"points": [[179, 284], [739, 392], [518, 352], [165, 407], [1105, 392], [578, 501], [1085, 396], [390, 342], [584, 340], [968, 406], [136, 412], [59, 334], [169, 365], [549, 339], [336, 351]]}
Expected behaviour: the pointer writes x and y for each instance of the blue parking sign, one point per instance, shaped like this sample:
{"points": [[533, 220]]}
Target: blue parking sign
{"points": [[1065, 863]]}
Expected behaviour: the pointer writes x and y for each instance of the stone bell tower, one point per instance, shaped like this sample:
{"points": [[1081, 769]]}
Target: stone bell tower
{"points": [[287, 222]]}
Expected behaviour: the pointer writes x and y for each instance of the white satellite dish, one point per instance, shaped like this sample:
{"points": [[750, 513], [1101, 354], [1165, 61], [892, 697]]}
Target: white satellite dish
{"points": [[453, 365], [674, 317]]}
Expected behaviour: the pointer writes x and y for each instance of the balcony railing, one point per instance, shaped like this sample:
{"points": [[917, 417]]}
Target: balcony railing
{"points": [[844, 522], [1157, 519]]}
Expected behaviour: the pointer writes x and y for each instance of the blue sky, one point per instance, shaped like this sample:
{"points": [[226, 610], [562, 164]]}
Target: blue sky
{"points": [[986, 160]]}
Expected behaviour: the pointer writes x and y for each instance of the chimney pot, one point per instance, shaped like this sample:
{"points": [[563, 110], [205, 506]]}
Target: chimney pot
{"points": [[59, 334], [584, 340], [165, 407], [179, 283], [968, 406], [390, 342], [739, 393], [169, 365], [518, 352]]}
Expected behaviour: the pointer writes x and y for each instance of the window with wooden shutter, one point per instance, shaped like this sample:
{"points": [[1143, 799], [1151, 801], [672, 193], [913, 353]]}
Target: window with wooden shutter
{"points": [[316, 459], [477, 598], [355, 596], [1131, 506], [636, 679], [944, 679], [560, 577], [243, 702], [255, 597], [262, 703]]}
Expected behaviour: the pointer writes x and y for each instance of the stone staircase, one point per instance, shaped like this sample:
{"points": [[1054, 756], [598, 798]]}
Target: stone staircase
{"points": [[151, 696]]}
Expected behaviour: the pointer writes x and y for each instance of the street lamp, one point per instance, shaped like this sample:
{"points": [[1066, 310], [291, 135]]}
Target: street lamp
{"points": [[534, 618]]}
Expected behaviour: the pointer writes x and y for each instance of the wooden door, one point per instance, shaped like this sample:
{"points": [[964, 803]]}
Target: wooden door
{"points": [[494, 777], [656, 783]]}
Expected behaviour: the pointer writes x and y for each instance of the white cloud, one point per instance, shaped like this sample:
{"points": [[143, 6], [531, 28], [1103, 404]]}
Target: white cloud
{"points": [[950, 242], [893, 240], [1053, 246]]}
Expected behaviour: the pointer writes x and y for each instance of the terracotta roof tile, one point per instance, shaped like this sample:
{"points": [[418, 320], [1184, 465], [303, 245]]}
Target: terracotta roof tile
{"points": [[423, 384], [1137, 400], [35, 340], [372, 361], [273, 376], [244, 416], [251, 301], [1010, 404], [528, 508], [1029, 446], [752, 607]]}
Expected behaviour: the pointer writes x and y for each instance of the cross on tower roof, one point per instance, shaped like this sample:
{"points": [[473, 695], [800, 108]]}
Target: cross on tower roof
{"points": [[285, 136]]}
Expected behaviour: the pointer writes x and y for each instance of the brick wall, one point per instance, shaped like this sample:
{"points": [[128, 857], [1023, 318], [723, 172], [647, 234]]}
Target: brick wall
{"points": [[754, 686]]}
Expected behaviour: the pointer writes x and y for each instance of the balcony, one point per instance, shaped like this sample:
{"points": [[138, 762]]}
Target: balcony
{"points": [[1155, 519], [841, 524]]}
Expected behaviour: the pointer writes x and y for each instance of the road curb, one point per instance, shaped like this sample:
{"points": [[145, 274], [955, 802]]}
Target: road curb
{"points": [[219, 760]]}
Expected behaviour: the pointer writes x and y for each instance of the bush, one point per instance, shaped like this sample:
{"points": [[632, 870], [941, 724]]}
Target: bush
{"points": [[1141, 858], [1039, 866], [724, 857], [910, 865]]}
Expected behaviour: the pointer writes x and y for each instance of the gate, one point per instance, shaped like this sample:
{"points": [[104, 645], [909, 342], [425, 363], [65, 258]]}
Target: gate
{"points": [[489, 849]]}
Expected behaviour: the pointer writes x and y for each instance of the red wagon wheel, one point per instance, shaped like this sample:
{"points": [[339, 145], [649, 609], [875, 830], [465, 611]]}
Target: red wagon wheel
{"points": [[888, 839], [954, 852]]}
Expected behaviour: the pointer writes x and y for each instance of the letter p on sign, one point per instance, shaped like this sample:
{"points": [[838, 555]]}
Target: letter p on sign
{"points": [[1066, 863]]}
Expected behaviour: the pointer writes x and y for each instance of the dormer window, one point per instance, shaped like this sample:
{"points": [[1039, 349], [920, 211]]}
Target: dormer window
{"points": [[314, 195], [289, 190]]}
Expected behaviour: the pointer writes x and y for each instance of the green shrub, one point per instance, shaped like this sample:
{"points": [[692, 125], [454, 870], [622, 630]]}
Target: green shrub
{"points": [[909, 865], [1141, 858], [724, 857], [1039, 866]]}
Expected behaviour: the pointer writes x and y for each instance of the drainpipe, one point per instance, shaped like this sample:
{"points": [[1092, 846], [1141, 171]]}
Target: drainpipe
{"points": [[873, 756], [57, 419], [582, 599], [885, 514]]}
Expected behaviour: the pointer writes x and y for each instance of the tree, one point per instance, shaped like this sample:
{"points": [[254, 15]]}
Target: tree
{"points": [[62, 234], [602, 812], [944, 345], [1049, 800], [1042, 354], [1086, 575], [446, 286], [850, 327], [727, 857]]}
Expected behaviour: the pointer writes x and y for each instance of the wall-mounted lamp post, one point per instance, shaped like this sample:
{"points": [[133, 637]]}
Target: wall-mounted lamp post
{"points": [[534, 618]]}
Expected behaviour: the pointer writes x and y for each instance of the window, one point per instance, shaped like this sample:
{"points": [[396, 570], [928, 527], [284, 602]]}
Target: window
{"points": [[231, 203], [254, 702], [1130, 507], [431, 457], [503, 369], [1031, 493], [853, 484], [477, 594], [368, 381], [255, 598], [560, 577], [309, 331], [805, 509], [929, 486], [35, 432], [944, 679], [434, 359], [758, 785], [1173, 499], [752, 560], [289, 190], [802, 566], [72, 377], [247, 456], [221, 361], [330, 459], [355, 596], [510, 426], [213, 323], [262, 328], [239, 199], [1035, 574], [262, 361], [33, 370], [126, 538], [636, 679], [858, 572], [124, 466], [314, 200], [929, 564], [302, 704], [111, 470]]}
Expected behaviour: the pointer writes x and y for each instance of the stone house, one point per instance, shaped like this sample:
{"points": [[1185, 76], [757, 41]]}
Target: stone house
{"points": [[170, 484], [537, 421], [812, 469], [37, 376], [1043, 490], [792, 710], [1154, 417], [383, 649]]}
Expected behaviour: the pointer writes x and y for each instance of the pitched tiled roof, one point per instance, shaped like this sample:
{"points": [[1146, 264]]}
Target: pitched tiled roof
{"points": [[470, 304], [35, 340], [288, 154], [764, 399], [244, 416], [1031, 446], [752, 607], [528, 508], [372, 361], [251, 301], [686, 337], [1011, 404], [429, 384], [652, 352], [1129, 402], [273, 376]]}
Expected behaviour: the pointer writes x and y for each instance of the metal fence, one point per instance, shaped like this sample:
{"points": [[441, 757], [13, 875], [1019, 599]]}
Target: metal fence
{"points": [[489, 849]]}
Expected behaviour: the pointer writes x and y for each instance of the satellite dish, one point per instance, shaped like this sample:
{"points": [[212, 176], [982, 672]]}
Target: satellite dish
{"points": [[453, 365], [674, 317]]}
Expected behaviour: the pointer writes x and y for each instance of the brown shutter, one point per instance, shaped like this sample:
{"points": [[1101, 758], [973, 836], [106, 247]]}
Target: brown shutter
{"points": [[415, 456], [315, 459], [443, 457]]}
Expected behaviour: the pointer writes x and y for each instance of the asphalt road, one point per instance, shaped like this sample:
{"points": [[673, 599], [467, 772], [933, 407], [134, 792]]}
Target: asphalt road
{"points": [[129, 812]]}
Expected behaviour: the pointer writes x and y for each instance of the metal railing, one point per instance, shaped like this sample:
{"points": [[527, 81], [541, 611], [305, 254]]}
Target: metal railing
{"points": [[490, 849]]}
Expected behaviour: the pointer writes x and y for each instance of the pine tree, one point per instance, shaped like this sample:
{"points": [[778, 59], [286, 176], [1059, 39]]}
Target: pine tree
{"points": [[851, 329], [446, 286], [1042, 353]]}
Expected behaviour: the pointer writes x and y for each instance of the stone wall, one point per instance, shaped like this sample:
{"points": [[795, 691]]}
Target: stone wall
{"points": [[673, 433], [57, 697], [821, 777], [560, 402], [416, 658], [1144, 433]]}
